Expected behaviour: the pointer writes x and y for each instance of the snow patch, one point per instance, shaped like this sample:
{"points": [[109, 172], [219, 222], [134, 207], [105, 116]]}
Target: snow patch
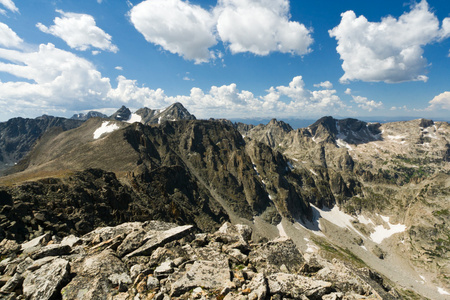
{"points": [[338, 218], [382, 233], [364, 247], [134, 118], [395, 137], [106, 127], [343, 144], [364, 220]]}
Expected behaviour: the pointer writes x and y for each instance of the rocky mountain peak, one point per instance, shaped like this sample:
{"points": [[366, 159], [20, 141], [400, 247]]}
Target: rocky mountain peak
{"points": [[122, 114], [87, 116], [280, 124], [174, 112]]}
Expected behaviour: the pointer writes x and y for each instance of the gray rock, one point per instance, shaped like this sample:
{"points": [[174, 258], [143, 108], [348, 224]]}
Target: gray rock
{"points": [[106, 233], [205, 274], [51, 250], [47, 281], [40, 262], [277, 254], [12, 283], [22, 267], [8, 246], [152, 283], [258, 287], [36, 242], [290, 285], [97, 276], [164, 269], [157, 239], [136, 270], [70, 240], [132, 241]]}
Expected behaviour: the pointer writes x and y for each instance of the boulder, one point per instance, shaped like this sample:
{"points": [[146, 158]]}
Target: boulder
{"points": [[159, 238], [212, 275], [278, 255], [291, 285], [47, 281], [97, 276]]}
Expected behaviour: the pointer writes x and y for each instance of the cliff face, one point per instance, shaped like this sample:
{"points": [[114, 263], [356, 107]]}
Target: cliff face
{"points": [[18, 135]]}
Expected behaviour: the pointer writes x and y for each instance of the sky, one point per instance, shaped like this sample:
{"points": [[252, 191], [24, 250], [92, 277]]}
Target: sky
{"points": [[226, 58]]}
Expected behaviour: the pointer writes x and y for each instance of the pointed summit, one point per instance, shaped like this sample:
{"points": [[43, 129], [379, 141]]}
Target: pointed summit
{"points": [[123, 114], [175, 112]]}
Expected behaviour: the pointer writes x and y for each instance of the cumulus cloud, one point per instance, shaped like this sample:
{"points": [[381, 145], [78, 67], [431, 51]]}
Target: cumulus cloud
{"points": [[261, 27], [53, 79], [326, 85], [366, 104], [8, 38], [348, 91], [256, 26], [390, 50], [177, 26], [441, 101], [9, 4], [119, 68], [79, 31]]}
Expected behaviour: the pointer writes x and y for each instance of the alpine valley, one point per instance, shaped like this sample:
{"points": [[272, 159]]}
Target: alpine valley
{"points": [[155, 204]]}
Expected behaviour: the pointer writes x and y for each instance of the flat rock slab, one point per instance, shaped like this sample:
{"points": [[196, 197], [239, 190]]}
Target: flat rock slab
{"points": [[159, 238], [290, 285], [51, 250], [46, 282], [211, 275]]}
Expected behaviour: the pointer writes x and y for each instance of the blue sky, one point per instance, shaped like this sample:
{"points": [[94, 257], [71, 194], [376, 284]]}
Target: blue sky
{"points": [[226, 58]]}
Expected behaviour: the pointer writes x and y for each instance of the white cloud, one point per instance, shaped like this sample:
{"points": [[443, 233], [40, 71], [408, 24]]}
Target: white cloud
{"points": [[8, 38], [366, 104], [261, 27], [348, 91], [178, 27], [326, 84], [404, 107], [129, 92], [54, 80], [9, 4], [441, 101], [390, 50], [119, 68], [256, 26], [79, 31]]}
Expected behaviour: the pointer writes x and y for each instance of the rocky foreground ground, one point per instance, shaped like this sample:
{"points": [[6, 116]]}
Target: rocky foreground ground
{"points": [[157, 260]]}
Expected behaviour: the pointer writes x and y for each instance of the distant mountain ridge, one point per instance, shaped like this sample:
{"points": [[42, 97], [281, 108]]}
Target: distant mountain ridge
{"points": [[18, 135]]}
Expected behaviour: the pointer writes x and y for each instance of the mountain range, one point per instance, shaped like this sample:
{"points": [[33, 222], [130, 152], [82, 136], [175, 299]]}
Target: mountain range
{"points": [[370, 194]]}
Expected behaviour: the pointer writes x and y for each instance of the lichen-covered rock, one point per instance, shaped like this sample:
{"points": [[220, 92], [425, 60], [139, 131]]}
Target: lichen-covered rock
{"points": [[291, 285], [258, 288], [47, 281], [211, 275], [276, 255], [97, 276]]}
